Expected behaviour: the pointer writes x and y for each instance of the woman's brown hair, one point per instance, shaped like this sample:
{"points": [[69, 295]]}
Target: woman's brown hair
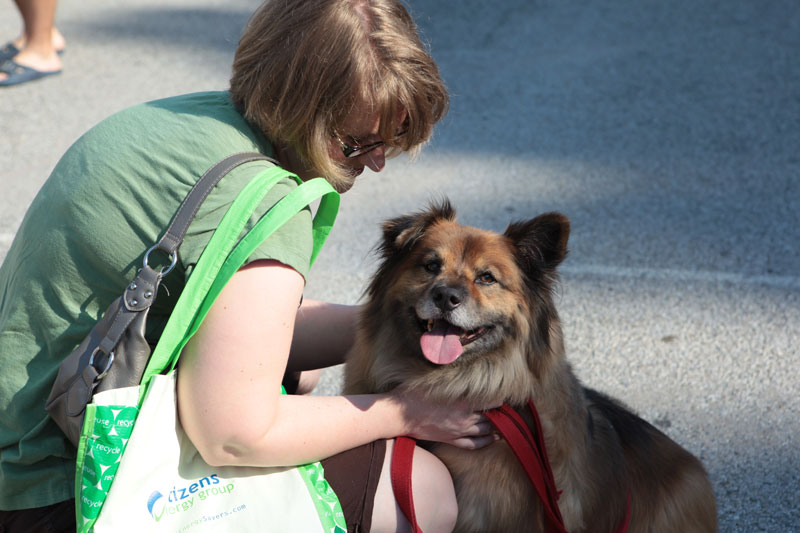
{"points": [[302, 66]]}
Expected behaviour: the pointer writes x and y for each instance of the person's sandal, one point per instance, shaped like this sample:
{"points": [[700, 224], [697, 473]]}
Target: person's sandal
{"points": [[18, 74], [9, 51]]}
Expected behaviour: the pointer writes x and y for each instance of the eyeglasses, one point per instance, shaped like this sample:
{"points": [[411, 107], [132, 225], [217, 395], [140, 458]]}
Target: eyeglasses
{"points": [[351, 151]]}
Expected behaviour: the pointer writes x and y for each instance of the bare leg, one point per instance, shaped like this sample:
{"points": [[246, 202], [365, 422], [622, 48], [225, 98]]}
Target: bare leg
{"points": [[434, 496], [36, 44], [59, 43]]}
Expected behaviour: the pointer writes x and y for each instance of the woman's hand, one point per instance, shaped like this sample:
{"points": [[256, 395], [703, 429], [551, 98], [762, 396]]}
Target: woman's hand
{"points": [[230, 374], [456, 424]]}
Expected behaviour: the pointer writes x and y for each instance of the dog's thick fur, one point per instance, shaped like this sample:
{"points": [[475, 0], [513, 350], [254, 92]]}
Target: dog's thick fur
{"points": [[497, 288]]}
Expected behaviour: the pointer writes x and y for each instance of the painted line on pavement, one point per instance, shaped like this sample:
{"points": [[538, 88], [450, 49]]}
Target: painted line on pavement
{"points": [[668, 274]]}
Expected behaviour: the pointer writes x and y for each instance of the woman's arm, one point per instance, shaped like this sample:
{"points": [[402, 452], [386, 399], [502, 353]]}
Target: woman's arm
{"points": [[229, 382], [323, 334]]}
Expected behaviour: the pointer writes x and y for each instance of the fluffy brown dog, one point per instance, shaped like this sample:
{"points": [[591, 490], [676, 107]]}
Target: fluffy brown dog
{"points": [[462, 313]]}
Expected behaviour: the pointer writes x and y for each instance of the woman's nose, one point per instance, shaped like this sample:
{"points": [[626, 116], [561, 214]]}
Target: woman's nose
{"points": [[375, 159]]}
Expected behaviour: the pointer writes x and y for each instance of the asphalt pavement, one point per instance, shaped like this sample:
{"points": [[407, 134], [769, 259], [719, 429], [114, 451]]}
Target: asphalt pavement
{"points": [[668, 132]]}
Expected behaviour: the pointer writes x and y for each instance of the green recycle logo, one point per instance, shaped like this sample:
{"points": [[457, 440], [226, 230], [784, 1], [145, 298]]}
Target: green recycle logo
{"points": [[104, 447]]}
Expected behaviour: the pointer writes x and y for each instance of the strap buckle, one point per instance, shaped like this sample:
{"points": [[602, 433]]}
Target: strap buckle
{"points": [[164, 271], [110, 362]]}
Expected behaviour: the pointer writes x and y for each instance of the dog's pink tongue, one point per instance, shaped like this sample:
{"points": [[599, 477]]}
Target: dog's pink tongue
{"points": [[441, 345]]}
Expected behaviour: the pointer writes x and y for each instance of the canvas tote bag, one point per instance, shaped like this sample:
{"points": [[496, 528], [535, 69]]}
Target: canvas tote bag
{"points": [[137, 470]]}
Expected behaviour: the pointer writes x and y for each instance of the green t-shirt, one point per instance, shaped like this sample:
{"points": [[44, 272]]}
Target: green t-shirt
{"points": [[108, 200]]}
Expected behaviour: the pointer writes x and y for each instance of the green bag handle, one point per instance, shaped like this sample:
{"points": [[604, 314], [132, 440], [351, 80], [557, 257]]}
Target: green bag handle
{"points": [[281, 213], [220, 259]]}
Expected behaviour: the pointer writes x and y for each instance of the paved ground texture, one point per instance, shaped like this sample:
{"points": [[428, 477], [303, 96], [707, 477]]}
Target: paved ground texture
{"points": [[668, 132]]}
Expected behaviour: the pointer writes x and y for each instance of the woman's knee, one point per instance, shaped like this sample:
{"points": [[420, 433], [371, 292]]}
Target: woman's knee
{"points": [[432, 488], [434, 494]]}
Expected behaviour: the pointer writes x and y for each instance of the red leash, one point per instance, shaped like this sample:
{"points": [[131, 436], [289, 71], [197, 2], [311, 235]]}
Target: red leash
{"points": [[402, 460], [527, 447], [532, 455]]}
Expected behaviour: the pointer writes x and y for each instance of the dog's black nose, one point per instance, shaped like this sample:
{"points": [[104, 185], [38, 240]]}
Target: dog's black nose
{"points": [[447, 298]]}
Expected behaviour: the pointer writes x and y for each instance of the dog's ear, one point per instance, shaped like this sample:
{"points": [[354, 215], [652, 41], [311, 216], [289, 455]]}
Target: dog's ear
{"points": [[402, 233], [540, 245], [541, 242]]}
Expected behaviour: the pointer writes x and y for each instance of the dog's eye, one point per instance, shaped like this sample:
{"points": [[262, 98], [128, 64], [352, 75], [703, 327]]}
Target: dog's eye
{"points": [[432, 266], [486, 278]]}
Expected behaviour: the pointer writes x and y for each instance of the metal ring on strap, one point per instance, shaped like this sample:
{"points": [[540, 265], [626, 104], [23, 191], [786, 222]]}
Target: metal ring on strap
{"points": [[110, 362], [164, 271]]}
